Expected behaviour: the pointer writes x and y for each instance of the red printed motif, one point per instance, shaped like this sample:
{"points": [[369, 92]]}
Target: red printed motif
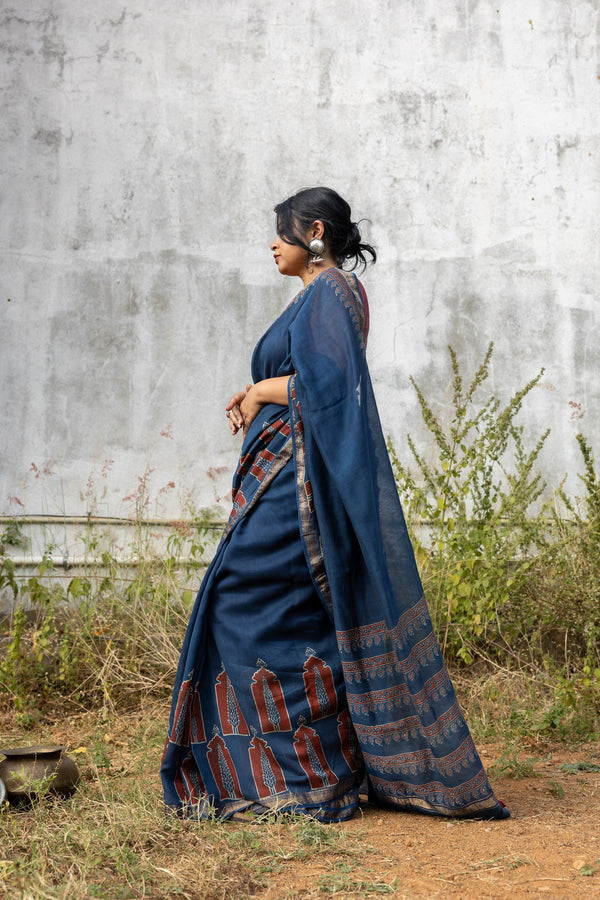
{"points": [[320, 688], [230, 714], [309, 751], [188, 724], [261, 464], [348, 739], [190, 775], [270, 702], [222, 768], [266, 771]]}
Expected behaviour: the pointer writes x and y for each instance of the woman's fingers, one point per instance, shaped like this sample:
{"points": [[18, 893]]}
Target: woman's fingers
{"points": [[238, 418], [250, 407], [234, 413], [236, 400], [232, 425]]}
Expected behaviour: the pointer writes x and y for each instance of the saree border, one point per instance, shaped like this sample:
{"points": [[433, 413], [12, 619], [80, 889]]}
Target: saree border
{"points": [[283, 457], [327, 804], [306, 510]]}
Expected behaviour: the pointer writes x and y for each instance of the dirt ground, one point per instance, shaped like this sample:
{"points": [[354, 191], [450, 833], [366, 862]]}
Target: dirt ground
{"points": [[549, 848]]}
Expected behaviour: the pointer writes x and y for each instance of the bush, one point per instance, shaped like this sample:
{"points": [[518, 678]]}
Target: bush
{"points": [[107, 636], [511, 575], [474, 510]]}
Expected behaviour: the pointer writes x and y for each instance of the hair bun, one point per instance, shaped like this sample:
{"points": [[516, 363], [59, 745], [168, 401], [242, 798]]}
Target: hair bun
{"points": [[352, 240]]}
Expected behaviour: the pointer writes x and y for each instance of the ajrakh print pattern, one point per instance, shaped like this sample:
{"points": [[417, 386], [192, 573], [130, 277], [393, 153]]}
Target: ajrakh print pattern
{"points": [[223, 769], [311, 757], [319, 686], [266, 771], [423, 758], [346, 288], [269, 700], [230, 714], [188, 724], [256, 470]]}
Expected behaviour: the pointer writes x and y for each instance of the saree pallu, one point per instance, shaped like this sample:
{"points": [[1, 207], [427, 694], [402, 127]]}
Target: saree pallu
{"points": [[310, 658]]}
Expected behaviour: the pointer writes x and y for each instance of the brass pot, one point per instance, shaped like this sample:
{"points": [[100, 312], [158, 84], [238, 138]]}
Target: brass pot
{"points": [[32, 772]]}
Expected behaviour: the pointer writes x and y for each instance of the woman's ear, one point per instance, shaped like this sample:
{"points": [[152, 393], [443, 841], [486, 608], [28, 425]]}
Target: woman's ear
{"points": [[317, 230]]}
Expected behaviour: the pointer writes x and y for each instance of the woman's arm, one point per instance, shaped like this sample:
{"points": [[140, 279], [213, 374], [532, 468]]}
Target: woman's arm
{"points": [[245, 405]]}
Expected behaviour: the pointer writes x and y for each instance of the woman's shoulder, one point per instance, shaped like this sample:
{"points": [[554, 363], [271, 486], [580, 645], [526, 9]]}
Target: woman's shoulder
{"points": [[349, 291], [339, 279], [341, 282]]}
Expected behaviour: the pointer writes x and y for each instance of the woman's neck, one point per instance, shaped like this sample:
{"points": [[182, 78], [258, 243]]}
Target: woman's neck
{"points": [[315, 270]]}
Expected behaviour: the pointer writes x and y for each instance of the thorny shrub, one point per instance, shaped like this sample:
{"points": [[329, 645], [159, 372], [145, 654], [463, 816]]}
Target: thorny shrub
{"points": [[508, 571]]}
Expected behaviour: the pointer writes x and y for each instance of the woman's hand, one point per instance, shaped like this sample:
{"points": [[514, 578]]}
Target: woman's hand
{"points": [[250, 406], [244, 406], [233, 410]]}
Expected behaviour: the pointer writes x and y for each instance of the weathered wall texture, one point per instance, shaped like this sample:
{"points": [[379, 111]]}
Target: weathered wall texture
{"points": [[143, 147]]}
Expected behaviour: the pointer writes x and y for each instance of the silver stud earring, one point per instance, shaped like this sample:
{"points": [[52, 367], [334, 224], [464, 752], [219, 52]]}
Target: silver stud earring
{"points": [[316, 246]]}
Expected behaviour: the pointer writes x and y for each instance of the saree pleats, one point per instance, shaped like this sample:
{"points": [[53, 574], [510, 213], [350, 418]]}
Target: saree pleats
{"points": [[310, 653], [260, 717]]}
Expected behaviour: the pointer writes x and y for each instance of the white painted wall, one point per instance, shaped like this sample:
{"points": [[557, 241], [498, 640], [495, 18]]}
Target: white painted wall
{"points": [[143, 146]]}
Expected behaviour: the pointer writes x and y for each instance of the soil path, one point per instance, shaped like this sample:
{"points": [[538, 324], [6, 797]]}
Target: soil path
{"points": [[549, 848]]}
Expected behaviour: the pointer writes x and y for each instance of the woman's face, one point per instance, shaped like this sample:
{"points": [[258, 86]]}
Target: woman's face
{"points": [[289, 258]]}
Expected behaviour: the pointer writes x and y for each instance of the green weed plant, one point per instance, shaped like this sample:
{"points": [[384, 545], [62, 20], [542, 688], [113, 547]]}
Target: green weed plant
{"points": [[512, 575], [107, 636], [475, 508]]}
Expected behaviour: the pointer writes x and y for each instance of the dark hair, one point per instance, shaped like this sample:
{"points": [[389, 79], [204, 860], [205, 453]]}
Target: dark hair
{"points": [[342, 236]]}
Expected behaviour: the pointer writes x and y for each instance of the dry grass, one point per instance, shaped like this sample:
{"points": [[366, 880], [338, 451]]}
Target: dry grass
{"points": [[112, 839], [92, 668]]}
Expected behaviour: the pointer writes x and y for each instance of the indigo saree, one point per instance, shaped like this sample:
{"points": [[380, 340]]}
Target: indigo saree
{"points": [[310, 662]]}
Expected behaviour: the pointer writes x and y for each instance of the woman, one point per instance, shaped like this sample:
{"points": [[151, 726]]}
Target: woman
{"points": [[310, 661]]}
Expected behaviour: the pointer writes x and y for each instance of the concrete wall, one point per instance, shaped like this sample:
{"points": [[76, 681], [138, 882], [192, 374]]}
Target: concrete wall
{"points": [[143, 146]]}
